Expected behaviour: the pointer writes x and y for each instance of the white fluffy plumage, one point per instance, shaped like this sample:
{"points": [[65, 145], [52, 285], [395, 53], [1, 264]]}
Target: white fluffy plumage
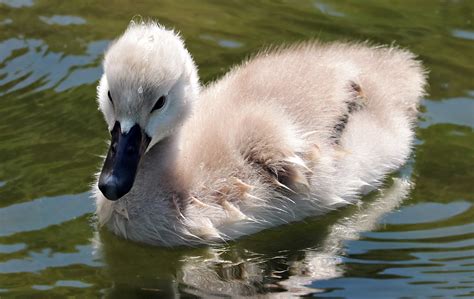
{"points": [[293, 132]]}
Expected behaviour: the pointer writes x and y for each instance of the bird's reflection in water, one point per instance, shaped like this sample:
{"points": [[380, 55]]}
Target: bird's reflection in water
{"points": [[273, 263]]}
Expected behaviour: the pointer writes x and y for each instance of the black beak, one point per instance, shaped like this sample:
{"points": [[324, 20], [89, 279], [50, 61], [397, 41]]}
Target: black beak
{"points": [[120, 167]]}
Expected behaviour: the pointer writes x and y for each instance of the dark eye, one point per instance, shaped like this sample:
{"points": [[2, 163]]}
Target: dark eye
{"points": [[110, 97], [159, 104]]}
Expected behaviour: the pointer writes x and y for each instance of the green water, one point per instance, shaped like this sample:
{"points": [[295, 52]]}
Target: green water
{"points": [[51, 137]]}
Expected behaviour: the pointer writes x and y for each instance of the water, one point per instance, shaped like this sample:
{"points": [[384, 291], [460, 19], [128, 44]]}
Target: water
{"points": [[405, 241]]}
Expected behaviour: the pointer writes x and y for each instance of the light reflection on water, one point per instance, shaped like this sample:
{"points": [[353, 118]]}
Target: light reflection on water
{"points": [[392, 245], [40, 213], [34, 66], [62, 20]]}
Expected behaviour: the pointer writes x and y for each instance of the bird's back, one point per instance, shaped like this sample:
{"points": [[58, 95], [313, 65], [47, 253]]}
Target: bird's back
{"points": [[308, 88], [294, 132]]}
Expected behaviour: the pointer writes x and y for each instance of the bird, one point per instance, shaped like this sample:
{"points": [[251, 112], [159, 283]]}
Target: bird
{"points": [[292, 132]]}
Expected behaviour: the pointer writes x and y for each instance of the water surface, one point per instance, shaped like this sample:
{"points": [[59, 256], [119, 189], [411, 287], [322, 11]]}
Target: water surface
{"points": [[413, 238]]}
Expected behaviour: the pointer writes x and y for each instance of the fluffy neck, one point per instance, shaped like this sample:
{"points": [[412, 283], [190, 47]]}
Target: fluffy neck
{"points": [[160, 157], [159, 167]]}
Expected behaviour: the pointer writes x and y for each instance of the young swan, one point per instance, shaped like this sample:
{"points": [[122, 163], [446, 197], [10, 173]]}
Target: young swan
{"points": [[294, 132]]}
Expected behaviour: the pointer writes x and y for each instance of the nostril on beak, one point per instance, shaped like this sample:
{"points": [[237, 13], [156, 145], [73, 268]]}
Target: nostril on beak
{"points": [[110, 187]]}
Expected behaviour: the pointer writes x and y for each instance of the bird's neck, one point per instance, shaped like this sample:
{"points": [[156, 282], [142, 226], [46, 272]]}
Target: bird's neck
{"points": [[157, 167], [162, 153]]}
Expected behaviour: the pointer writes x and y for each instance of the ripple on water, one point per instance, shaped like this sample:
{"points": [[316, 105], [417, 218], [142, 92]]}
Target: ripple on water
{"points": [[6, 21], [457, 230], [458, 111], [17, 3], [225, 43], [37, 214], [229, 43], [411, 262], [464, 34], [328, 10], [10, 248], [427, 212], [62, 20], [37, 261], [29, 61], [62, 283]]}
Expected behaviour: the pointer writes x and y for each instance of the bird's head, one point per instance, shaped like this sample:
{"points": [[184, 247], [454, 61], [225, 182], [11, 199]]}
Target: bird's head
{"points": [[145, 94]]}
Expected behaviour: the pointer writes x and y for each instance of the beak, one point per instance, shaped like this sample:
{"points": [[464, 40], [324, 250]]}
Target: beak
{"points": [[120, 167]]}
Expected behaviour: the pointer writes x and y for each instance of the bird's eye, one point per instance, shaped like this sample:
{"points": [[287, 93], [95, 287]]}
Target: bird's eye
{"points": [[110, 97], [159, 104]]}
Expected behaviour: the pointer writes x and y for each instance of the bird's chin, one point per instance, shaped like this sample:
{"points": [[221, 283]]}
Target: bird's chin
{"points": [[121, 164]]}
